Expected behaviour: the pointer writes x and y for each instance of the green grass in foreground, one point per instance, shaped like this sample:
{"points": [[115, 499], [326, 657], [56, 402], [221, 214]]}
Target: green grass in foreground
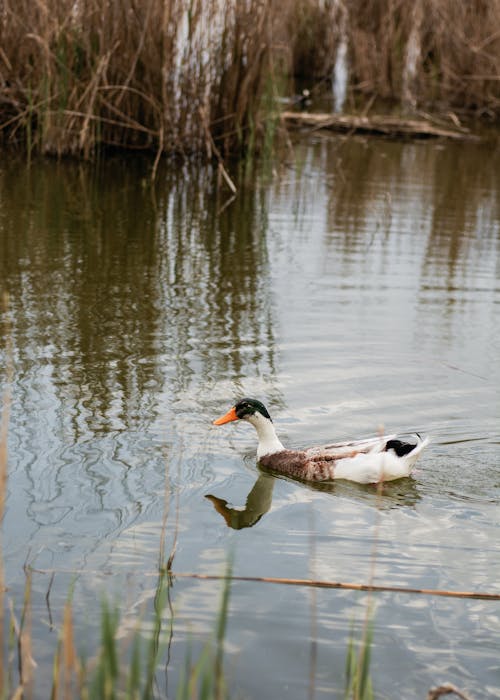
{"points": [[357, 669], [125, 664], [126, 669]]}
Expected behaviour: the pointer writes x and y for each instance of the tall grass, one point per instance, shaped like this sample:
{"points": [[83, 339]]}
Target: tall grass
{"points": [[167, 75], [443, 54], [197, 75], [357, 666]]}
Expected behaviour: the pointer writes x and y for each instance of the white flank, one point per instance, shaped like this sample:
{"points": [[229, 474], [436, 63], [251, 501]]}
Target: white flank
{"points": [[375, 466]]}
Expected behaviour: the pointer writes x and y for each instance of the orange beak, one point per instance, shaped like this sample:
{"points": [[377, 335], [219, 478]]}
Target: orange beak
{"points": [[230, 416]]}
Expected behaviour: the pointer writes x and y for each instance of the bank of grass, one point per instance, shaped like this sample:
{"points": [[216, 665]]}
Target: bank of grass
{"points": [[202, 75]]}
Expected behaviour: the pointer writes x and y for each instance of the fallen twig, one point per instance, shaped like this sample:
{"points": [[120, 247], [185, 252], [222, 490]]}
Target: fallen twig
{"points": [[344, 586], [340, 585], [377, 124]]}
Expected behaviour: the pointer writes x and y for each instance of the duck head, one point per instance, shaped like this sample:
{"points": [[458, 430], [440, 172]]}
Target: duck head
{"points": [[245, 409], [254, 412]]}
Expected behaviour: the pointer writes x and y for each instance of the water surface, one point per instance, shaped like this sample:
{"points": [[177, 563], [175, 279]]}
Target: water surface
{"points": [[354, 289]]}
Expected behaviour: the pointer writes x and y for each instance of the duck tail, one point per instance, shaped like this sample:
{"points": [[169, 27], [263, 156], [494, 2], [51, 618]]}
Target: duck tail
{"points": [[421, 444], [402, 448]]}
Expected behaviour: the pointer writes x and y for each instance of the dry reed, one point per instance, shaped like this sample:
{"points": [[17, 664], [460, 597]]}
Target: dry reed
{"points": [[202, 75], [346, 586], [430, 54], [439, 53], [154, 74]]}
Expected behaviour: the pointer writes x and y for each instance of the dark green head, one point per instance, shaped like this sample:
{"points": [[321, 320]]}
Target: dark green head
{"points": [[243, 409], [247, 407]]}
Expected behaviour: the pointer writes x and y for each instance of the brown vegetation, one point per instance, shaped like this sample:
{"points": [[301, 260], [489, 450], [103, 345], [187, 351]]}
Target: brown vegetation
{"points": [[194, 75], [169, 75], [439, 53]]}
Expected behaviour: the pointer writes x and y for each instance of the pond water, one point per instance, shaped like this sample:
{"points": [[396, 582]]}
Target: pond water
{"points": [[353, 289]]}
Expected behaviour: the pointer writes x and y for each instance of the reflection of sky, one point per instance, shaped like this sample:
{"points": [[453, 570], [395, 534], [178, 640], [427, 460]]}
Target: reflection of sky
{"points": [[388, 285]]}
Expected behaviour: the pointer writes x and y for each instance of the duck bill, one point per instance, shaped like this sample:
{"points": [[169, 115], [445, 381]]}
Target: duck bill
{"points": [[230, 416]]}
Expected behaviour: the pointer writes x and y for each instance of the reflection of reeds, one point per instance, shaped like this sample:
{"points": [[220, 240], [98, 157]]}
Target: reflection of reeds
{"points": [[4, 428], [19, 642], [6, 402], [119, 668]]}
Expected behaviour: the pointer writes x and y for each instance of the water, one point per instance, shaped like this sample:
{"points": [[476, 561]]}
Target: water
{"points": [[355, 288]]}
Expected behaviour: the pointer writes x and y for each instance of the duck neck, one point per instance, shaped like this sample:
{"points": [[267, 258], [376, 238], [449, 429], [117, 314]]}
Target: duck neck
{"points": [[268, 440]]}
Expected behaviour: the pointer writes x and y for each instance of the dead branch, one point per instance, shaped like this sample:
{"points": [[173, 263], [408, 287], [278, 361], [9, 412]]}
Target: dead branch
{"points": [[378, 124]]}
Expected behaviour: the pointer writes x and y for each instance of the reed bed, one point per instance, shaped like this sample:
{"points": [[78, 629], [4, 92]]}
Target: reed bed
{"points": [[441, 54], [163, 75], [203, 75]]}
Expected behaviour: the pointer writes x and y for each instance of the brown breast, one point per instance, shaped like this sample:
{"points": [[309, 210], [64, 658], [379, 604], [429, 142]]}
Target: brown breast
{"points": [[300, 465], [287, 462]]}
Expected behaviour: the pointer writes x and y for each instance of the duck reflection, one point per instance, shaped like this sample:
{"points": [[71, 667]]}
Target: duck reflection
{"points": [[257, 504], [385, 496]]}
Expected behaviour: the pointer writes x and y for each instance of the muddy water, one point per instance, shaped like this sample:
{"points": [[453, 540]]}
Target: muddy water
{"points": [[353, 289]]}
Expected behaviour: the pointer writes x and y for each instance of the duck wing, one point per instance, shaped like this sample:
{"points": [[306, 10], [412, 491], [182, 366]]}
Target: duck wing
{"points": [[337, 450]]}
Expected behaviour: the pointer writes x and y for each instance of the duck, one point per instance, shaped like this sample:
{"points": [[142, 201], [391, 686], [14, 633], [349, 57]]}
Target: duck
{"points": [[367, 461]]}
